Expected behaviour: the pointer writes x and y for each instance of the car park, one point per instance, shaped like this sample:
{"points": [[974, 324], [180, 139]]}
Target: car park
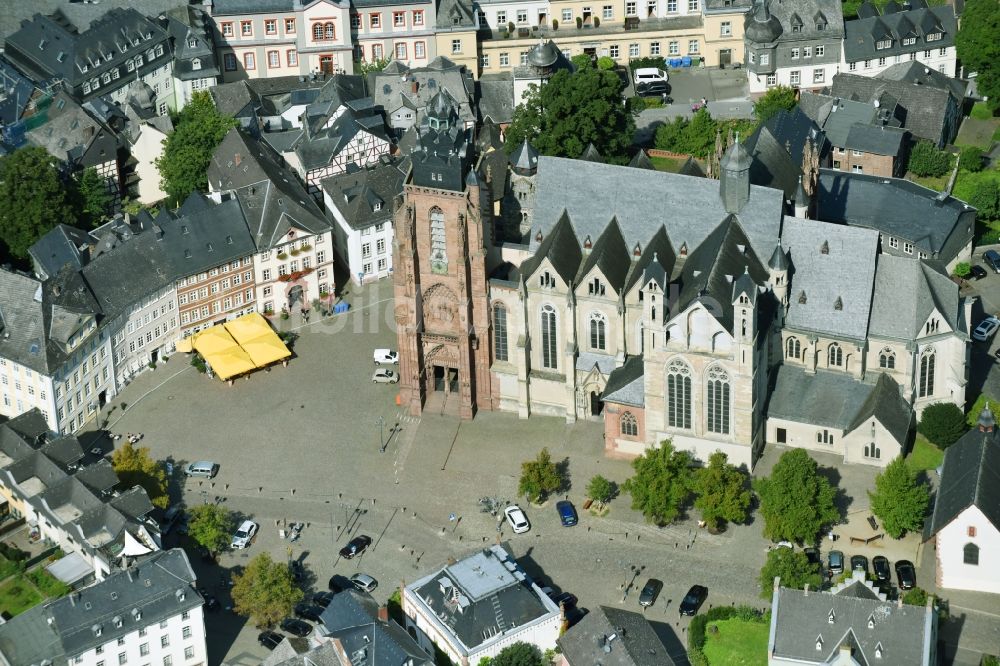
{"points": [[518, 521], [296, 627], [986, 329], [386, 356], [977, 272], [356, 546], [693, 600], [270, 639], [992, 259], [651, 590], [244, 535], [364, 582], [567, 513], [322, 599], [859, 563], [384, 376], [835, 562], [880, 565], [307, 611], [906, 575]]}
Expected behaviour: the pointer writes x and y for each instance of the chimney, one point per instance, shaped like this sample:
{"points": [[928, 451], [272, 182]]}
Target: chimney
{"points": [[414, 86], [383, 613]]}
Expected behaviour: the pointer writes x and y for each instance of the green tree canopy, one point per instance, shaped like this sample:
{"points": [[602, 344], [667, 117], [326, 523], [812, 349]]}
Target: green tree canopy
{"points": [[211, 526], [971, 159], [927, 160], [600, 489], [34, 198], [135, 467], [796, 501], [95, 200], [978, 46], [518, 654], [265, 591], [539, 477], [662, 483], [899, 500], [779, 98], [573, 110], [188, 150], [794, 568], [721, 492], [942, 423]]}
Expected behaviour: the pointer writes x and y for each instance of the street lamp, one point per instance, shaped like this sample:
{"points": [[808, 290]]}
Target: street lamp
{"points": [[380, 422]]}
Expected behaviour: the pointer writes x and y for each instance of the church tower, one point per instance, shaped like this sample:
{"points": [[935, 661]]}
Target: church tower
{"points": [[734, 183], [519, 200], [442, 235]]}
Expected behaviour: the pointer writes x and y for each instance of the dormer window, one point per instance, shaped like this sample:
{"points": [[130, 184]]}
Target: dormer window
{"points": [[377, 206], [595, 287], [546, 280], [933, 37], [832, 617], [192, 42], [196, 63], [878, 651], [884, 44]]}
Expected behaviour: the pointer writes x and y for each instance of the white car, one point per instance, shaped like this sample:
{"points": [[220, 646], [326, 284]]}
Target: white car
{"points": [[244, 535], [364, 582], [381, 356], [384, 376], [986, 329], [518, 521]]}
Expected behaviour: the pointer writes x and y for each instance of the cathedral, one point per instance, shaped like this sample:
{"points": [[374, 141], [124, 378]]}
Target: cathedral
{"points": [[714, 313]]}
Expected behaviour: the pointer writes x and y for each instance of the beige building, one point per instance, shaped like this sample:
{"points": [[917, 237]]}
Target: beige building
{"points": [[402, 31]]}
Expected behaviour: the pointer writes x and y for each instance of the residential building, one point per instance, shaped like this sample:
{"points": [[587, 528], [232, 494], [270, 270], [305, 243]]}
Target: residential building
{"points": [[20, 91], [281, 38], [402, 31], [477, 606], [146, 138], [913, 32], [786, 149], [361, 627], [865, 138], [850, 624], [361, 203], [62, 245], [455, 33], [99, 61], [404, 93], [612, 637], [792, 43], [195, 67], [965, 525], [150, 612], [723, 24]]}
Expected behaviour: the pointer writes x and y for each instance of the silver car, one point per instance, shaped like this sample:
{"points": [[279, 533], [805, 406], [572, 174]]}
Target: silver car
{"points": [[384, 376], [364, 582]]}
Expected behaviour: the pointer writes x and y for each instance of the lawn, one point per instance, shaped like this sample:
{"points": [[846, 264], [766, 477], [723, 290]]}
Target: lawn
{"points": [[7, 567], [738, 643], [47, 584], [977, 132], [924, 456], [936, 183], [18, 595], [668, 164]]}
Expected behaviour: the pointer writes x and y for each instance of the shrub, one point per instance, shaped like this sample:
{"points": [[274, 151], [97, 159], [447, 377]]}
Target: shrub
{"points": [[990, 660], [510, 27], [980, 111], [962, 269], [597, 22], [942, 423], [915, 597], [971, 159], [650, 61], [555, 24], [604, 62], [579, 22], [198, 363], [926, 160]]}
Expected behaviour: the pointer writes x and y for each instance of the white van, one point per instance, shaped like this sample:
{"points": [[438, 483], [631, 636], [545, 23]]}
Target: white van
{"points": [[649, 75], [204, 468]]}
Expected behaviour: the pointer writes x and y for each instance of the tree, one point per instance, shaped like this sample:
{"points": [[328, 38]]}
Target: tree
{"points": [[95, 200], [600, 489], [971, 159], [985, 198], [915, 597], [265, 591], [978, 47], [779, 98], [794, 568], [573, 110], [796, 501], [963, 269], [942, 423], [377, 65], [518, 654], [662, 483], [721, 492], [135, 467], [690, 137], [899, 500], [539, 477], [927, 160], [34, 198], [211, 526], [188, 151]]}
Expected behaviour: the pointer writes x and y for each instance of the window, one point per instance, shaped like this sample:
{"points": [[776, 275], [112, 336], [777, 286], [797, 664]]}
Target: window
{"points": [[375, 21], [292, 58], [524, 58], [694, 46], [726, 28], [628, 425], [693, 5], [925, 385], [418, 50], [567, 15], [907, 247], [807, 52], [418, 17], [793, 348], [379, 246], [188, 652], [164, 640], [824, 437], [273, 59], [144, 649], [881, 62], [674, 48], [852, 66], [456, 46], [613, 51], [883, 44], [500, 333], [971, 531], [872, 451], [771, 80], [399, 19], [246, 28], [501, 18], [671, 6], [820, 51], [289, 26], [887, 359], [598, 331], [186, 632], [794, 77], [678, 395], [857, 168], [227, 29], [654, 48], [401, 51], [270, 27], [122, 658], [765, 58], [355, 22], [835, 355], [819, 75], [633, 50], [630, 8], [718, 401], [868, 64], [893, 242], [970, 554], [168, 660], [522, 16], [549, 359], [248, 61], [505, 60], [933, 36]]}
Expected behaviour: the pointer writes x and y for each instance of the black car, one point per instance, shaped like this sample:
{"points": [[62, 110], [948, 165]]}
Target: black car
{"points": [[307, 611], [296, 627], [270, 639], [881, 567], [836, 562], [322, 599], [211, 603], [650, 591], [355, 546], [859, 563], [652, 89], [693, 600], [906, 575], [977, 272]]}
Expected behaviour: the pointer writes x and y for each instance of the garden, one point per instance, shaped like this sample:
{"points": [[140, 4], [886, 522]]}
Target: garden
{"points": [[21, 590]]}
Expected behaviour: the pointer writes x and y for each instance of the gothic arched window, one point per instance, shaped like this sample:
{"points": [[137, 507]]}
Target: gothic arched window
{"points": [[793, 348], [835, 355], [598, 330], [717, 405], [887, 359], [500, 332], [925, 386], [439, 243], [549, 359], [678, 395], [629, 425]]}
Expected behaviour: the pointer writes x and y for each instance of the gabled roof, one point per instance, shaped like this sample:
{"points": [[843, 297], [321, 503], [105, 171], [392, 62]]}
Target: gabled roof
{"points": [[365, 197], [322, 141], [610, 256], [626, 385], [876, 139], [190, 30], [73, 136], [352, 618], [495, 93], [590, 154], [862, 33], [641, 161], [62, 245], [561, 247], [970, 476], [928, 289], [614, 637], [777, 149], [886, 404], [917, 73]]}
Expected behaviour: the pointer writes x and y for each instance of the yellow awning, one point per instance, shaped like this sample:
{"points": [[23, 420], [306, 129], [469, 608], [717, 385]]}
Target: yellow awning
{"points": [[254, 334], [230, 363], [238, 346], [184, 345], [213, 340]]}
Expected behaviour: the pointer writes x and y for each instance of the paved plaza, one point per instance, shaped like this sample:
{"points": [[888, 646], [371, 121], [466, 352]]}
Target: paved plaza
{"points": [[302, 443]]}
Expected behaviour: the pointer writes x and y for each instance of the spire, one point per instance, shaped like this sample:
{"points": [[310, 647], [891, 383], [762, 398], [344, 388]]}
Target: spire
{"points": [[778, 260], [524, 160], [734, 183], [986, 421]]}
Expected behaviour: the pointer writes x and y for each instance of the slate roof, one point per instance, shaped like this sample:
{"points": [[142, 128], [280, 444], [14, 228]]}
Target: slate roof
{"points": [[830, 262], [495, 93], [352, 618], [861, 34], [190, 30], [626, 385], [230, 7], [785, 13], [878, 140], [321, 141], [970, 476], [917, 73], [17, 93], [62, 245], [634, 643], [799, 620], [777, 147], [642, 161], [394, 89], [73, 136], [610, 255], [928, 289], [894, 207], [159, 587], [358, 192], [455, 15], [273, 201]]}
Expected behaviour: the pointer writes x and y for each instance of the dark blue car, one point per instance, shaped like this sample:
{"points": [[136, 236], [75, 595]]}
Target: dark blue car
{"points": [[567, 513]]}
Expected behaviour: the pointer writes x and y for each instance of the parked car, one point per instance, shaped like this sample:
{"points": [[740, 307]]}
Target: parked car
{"points": [[203, 468], [388, 356], [654, 89], [977, 272], [364, 582], [307, 611], [812, 554], [986, 329], [296, 627], [835, 562], [693, 600], [244, 535], [518, 521], [880, 565], [567, 513], [322, 599], [906, 575], [355, 546], [384, 376], [859, 563], [338, 583], [650, 591], [566, 598], [992, 259], [270, 639]]}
